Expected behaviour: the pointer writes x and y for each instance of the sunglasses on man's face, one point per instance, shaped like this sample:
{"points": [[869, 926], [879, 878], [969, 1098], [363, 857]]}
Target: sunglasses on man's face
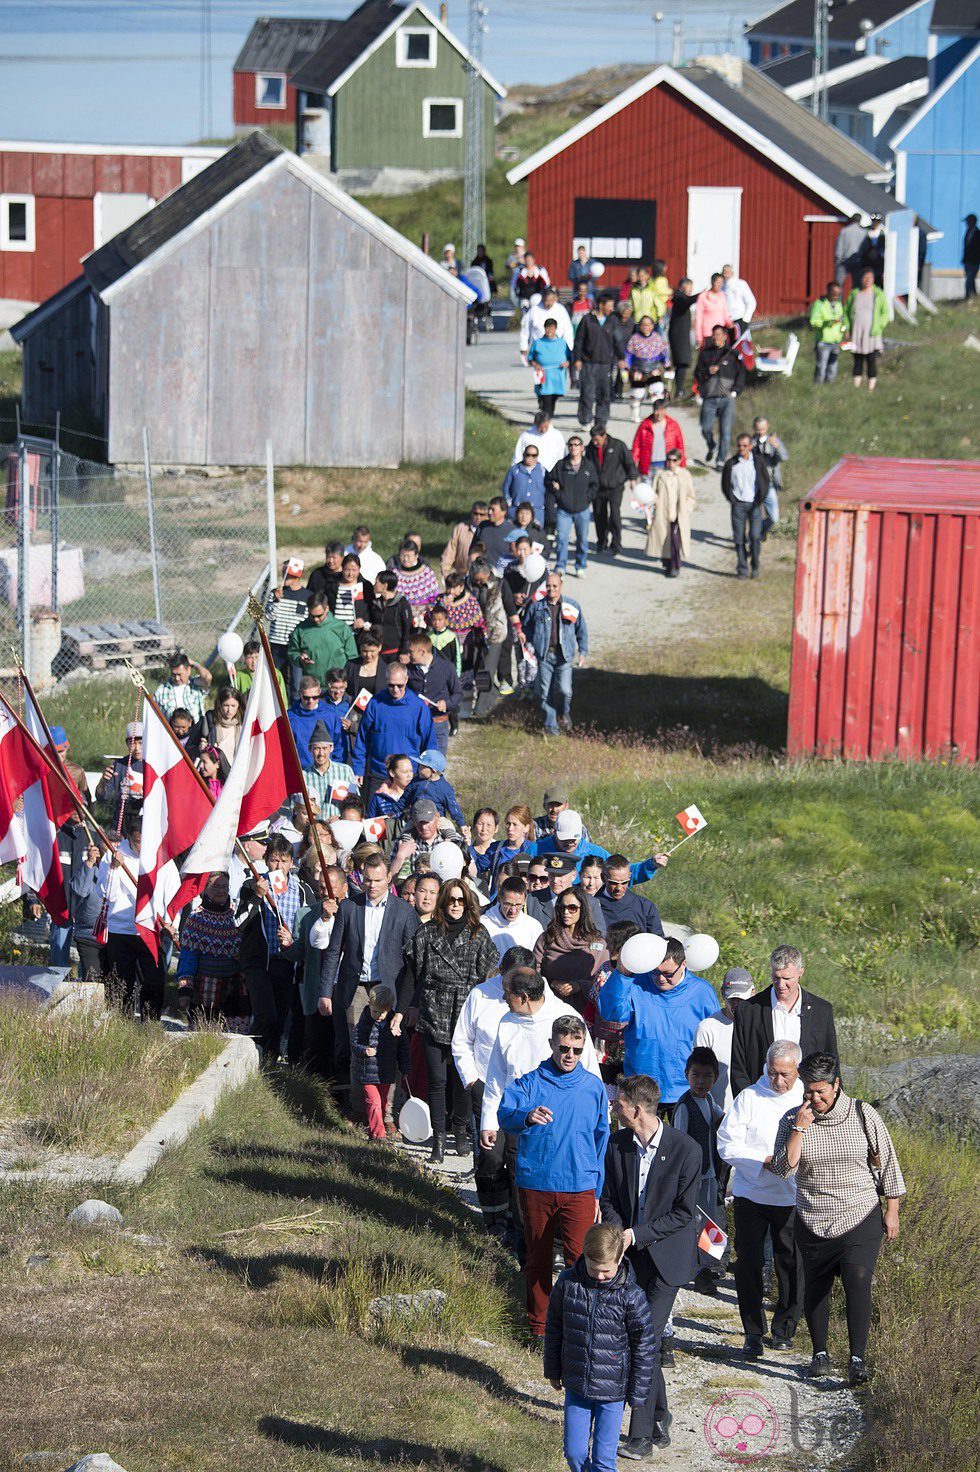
{"points": [[570, 1048], [537, 878]]}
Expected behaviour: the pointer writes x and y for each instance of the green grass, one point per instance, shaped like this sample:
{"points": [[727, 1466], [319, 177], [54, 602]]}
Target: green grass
{"points": [[211, 1351], [90, 1084]]}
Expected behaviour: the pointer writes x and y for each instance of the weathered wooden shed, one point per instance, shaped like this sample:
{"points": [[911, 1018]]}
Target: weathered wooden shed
{"points": [[256, 302]]}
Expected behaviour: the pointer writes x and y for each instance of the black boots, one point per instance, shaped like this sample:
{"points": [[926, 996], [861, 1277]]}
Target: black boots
{"points": [[462, 1141], [438, 1153]]}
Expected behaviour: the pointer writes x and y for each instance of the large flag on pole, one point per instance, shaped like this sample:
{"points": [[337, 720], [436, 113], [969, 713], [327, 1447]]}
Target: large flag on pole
{"points": [[29, 837], [175, 809], [263, 774]]}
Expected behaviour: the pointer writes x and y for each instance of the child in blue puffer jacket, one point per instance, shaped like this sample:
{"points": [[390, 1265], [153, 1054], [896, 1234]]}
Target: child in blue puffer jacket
{"points": [[599, 1346]]}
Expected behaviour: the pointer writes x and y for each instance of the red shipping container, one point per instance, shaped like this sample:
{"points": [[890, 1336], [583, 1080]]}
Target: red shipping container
{"points": [[886, 632]]}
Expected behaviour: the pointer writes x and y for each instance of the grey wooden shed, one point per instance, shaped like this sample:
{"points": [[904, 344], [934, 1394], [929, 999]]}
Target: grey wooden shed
{"points": [[257, 301]]}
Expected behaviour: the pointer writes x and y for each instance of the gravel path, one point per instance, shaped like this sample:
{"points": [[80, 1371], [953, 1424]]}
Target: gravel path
{"points": [[621, 596]]}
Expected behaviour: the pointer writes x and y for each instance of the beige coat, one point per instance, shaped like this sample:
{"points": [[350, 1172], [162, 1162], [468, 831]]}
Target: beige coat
{"points": [[674, 490], [456, 553]]}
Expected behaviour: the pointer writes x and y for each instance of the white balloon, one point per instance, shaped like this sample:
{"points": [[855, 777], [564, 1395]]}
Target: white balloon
{"points": [[701, 952], [596, 270], [346, 832], [643, 493], [534, 567], [642, 953], [414, 1121], [446, 860], [230, 647]]}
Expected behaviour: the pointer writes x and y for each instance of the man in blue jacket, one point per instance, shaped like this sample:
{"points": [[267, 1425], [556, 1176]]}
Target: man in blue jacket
{"points": [[395, 721], [560, 1115], [662, 1010], [555, 628], [306, 710], [569, 838], [620, 902]]}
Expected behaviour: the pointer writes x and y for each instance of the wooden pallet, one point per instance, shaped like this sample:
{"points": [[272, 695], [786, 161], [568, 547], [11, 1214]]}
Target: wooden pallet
{"points": [[101, 646]]}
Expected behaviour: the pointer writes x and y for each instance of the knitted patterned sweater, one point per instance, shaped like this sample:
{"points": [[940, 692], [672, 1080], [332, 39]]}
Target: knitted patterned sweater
{"points": [[209, 944]]}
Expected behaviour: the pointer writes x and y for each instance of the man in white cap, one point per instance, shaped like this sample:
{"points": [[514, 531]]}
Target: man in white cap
{"points": [[716, 1032], [569, 837]]}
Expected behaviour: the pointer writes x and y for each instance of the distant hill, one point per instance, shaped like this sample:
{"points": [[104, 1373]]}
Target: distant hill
{"points": [[533, 114]]}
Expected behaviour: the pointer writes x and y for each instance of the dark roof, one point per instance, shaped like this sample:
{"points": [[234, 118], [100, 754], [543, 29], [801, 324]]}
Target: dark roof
{"points": [[877, 81], [795, 20], [344, 46], [786, 71], [961, 16], [174, 213], [276, 44], [821, 149]]}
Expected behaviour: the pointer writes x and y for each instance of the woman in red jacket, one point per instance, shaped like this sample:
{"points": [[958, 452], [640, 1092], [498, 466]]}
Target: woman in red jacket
{"points": [[655, 436]]}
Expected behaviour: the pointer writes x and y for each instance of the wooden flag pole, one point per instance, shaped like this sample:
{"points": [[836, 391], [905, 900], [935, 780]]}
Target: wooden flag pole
{"points": [[255, 610], [137, 678], [80, 807]]}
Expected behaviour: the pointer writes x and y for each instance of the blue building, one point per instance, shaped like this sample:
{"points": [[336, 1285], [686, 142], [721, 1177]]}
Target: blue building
{"points": [[937, 151], [889, 28]]}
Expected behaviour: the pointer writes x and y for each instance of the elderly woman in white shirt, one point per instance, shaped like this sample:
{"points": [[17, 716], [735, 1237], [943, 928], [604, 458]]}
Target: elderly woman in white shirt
{"points": [[764, 1203]]}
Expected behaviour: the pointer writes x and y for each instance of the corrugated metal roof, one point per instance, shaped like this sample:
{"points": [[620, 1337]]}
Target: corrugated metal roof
{"points": [[796, 19], [344, 46], [961, 16], [900, 485], [279, 44], [878, 81], [124, 251]]}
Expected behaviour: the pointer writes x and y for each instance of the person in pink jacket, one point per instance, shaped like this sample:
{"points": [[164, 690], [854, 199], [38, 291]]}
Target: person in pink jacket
{"points": [[711, 310]]}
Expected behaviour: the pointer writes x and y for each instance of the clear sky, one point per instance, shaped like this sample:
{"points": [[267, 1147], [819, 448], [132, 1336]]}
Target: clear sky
{"points": [[129, 71]]}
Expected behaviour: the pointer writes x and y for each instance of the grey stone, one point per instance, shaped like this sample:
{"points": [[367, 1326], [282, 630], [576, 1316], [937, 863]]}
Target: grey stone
{"points": [[149, 1239], [94, 1213], [96, 1462], [38, 1260], [942, 1091], [408, 1305]]}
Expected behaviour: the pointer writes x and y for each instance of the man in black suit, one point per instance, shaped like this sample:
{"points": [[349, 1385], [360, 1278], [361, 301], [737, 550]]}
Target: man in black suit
{"points": [[651, 1190], [366, 947], [783, 1012]]}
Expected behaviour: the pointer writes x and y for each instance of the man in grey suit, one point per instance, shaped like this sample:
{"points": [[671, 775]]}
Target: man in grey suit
{"points": [[366, 946], [652, 1178]]}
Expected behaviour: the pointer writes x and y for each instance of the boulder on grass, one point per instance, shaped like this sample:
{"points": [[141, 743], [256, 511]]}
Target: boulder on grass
{"points": [[94, 1213], [96, 1461]]}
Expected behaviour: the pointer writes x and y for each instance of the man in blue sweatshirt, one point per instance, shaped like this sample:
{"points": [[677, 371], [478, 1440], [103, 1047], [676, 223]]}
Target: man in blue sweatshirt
{"points": [[569, 838], [619, 901], [429, 782], [560, 1114], [662, 1010], [395, 721], [304, 713]]}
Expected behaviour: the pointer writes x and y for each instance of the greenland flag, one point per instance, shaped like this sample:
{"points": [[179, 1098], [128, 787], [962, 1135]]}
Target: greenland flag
{"points": [[361, 703], [263, 774], [374, 829], [712, 1240], [175, 809], [692, 820], [29, 837]]}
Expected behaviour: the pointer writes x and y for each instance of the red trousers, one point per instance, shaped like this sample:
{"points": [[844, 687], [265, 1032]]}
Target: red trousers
{"points": [[375, 1103], [574, 1213]]}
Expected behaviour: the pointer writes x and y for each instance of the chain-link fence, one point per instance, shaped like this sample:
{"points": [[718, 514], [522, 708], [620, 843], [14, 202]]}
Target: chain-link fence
{"points": [[99, 565]]}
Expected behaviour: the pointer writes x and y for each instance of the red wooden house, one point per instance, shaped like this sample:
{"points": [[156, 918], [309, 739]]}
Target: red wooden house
{"points": [[700, 166], [58, 201], [262, 93]]}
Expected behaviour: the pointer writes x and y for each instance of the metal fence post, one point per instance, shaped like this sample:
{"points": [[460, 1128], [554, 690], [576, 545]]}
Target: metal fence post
{"points": [[55, 507], [153, 531], [24, 557], [270, 507]]}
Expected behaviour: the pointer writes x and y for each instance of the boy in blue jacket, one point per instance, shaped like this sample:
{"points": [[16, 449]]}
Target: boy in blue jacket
{"points": [[429, 782], [598, 1347]]}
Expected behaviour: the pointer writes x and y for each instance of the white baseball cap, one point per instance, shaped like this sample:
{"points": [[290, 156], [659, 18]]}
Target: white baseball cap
{"points": [[568, 824]]}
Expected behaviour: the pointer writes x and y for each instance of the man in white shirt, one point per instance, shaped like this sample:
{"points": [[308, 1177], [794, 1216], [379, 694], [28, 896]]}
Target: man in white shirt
{"points": [[139, 977], [473, 1039], [371, 564], [532, 323], [764, 1203], [550, 442], [508, 922], [740, 297], [715, 1032], [745, 485]]}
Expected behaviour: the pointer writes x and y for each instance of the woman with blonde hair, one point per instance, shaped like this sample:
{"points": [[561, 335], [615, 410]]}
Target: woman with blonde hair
{"points": [[669, 537], [519, 830]]}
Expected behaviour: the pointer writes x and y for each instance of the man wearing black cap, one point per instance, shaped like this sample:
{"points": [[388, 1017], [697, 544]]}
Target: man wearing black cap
{"points": [[555, 802], [326, 780], [419, 839]]}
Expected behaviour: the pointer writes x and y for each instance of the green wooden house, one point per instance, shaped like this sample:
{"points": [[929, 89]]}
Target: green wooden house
{"points": [[387, 90]]}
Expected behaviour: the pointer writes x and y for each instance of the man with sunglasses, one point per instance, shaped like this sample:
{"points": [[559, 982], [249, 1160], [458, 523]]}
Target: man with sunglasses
{"points": [[396, 721], [619, 901], [662, 1011], [555, 801], [560, 1114]]}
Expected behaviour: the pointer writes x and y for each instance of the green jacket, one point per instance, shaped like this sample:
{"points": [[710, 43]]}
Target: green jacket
{"points": [[880, 317], [827, 320], [331, 644]]}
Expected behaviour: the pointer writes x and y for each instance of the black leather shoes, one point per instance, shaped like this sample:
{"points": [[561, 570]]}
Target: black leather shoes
{"points": [[820, 1367], [462, 1142], [753, 1348], [661, 1432], [438, 1152], [637, 1449], [667, 1352]]}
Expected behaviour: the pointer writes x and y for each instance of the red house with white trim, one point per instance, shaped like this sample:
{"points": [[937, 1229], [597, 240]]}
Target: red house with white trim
{"points": [[58, 201], [699, 166], [262, 93]]}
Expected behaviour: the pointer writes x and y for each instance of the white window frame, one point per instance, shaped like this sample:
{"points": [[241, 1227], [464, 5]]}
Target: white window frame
{"points": [[428, 102], [6, 243], [261, 77], [402, 57]]}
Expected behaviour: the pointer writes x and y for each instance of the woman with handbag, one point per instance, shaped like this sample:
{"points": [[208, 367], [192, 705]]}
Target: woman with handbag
{"points": [[848, 1186], [444, 960]]}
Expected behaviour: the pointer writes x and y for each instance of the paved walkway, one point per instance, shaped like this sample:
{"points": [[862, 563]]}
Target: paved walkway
{"points": [[621, 596]]}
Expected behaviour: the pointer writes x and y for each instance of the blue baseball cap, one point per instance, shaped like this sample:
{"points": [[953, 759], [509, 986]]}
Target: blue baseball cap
{"points": [[434, 759], [59, 736]]}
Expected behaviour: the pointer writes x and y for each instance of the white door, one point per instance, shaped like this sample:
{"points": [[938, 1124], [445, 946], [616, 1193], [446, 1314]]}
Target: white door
{"points": [[112, 213], [713, 231]]}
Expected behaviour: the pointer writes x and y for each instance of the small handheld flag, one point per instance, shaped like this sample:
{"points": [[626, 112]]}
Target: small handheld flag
{"points": [[745, 349], [278, 881], [375, 829], [340, 791], [712, 1240], [692, 820], [361, 703]]}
